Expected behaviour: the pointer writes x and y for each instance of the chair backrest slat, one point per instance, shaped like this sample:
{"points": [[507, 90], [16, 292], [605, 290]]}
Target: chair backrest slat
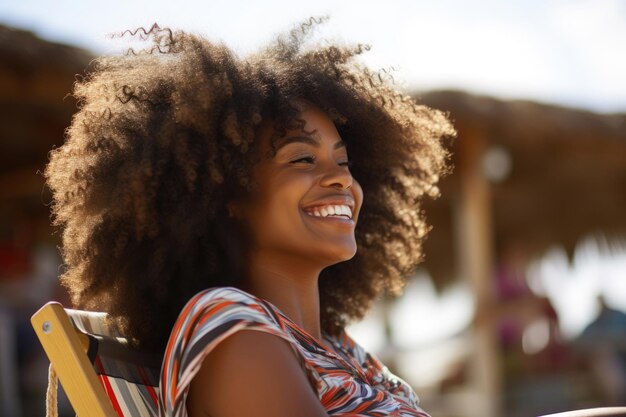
{"points": [[125, 378]]}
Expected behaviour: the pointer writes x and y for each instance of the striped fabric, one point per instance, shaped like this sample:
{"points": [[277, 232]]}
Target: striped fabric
{"points": [[130, 378], [348, 380]]}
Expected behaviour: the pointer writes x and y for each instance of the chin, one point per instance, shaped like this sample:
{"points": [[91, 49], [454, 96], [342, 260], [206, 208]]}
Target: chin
{"points": [[340, 255]]}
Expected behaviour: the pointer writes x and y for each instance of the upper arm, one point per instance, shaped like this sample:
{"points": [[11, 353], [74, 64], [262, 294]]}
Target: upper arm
{"points": [[252, 373]]}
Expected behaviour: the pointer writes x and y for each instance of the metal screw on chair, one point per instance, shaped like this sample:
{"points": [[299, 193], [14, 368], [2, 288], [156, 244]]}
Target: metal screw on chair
{"points": [[46, 327]]}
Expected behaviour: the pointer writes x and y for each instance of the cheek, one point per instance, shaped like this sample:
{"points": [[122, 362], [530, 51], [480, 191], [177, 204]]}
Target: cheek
{"points": [[277, 205], [357, 192]]}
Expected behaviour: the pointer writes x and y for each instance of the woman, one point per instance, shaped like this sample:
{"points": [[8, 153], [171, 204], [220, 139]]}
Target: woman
{"points": [[191, 177]]}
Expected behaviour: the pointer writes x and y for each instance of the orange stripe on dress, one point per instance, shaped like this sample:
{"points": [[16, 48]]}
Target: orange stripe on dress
{"points": [[174, 379], [207, 314]]}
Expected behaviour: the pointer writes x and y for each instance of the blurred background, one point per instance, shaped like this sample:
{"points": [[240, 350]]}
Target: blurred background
{"points": [[519, 308]]}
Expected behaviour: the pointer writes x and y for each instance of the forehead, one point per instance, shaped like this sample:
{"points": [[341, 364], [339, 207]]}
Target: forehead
{"points": [[314, 127]]}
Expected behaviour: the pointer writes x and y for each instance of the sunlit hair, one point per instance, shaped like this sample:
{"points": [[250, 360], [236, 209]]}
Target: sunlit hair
{"points": [[165, 137]]}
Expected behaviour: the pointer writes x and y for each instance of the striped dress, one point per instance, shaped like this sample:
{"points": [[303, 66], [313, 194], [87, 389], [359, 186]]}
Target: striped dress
{"points": [[348, 380]]}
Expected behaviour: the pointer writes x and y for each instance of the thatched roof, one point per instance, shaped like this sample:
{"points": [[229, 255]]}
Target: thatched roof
{"points": [[567, 178]]}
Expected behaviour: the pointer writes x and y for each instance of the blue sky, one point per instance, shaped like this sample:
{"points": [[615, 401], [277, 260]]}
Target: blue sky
{"points": [[569, 52]]}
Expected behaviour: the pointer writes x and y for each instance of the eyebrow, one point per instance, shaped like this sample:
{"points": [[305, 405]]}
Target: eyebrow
{"points": [[308, 140]]}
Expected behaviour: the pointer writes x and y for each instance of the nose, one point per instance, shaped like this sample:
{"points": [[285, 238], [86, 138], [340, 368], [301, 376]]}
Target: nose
{"points": [[336, 176]]}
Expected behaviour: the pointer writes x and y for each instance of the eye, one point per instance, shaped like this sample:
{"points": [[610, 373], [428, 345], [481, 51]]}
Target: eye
{"points": [[347, 164], [304, 160]]}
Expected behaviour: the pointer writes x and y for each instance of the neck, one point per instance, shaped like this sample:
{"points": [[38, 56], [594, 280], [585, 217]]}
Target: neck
{"points": [[290, 285]]}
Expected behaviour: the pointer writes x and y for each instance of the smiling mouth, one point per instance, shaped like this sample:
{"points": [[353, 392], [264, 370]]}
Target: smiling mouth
{"points": [[332, 210]]}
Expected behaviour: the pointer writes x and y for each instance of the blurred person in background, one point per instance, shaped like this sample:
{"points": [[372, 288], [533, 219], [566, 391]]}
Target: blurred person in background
{"points": [[603, 343]]}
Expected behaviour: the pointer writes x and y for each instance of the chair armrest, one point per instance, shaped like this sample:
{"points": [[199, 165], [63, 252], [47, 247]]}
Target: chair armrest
{"points": [[592, 412]]}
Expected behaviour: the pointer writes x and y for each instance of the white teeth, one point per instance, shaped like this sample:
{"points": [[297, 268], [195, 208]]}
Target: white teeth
{"points": [[337, 211]]}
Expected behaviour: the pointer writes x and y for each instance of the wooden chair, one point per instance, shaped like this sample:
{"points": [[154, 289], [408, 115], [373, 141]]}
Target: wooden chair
{"points": [[101, 375]]}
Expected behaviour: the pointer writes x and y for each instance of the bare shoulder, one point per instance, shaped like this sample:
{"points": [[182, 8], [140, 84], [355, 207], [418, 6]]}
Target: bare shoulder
{"points": [[252, 373]]}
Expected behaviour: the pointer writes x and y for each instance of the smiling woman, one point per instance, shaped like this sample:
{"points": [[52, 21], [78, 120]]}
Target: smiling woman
{"points": [[303, 191], [223, 191]]}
